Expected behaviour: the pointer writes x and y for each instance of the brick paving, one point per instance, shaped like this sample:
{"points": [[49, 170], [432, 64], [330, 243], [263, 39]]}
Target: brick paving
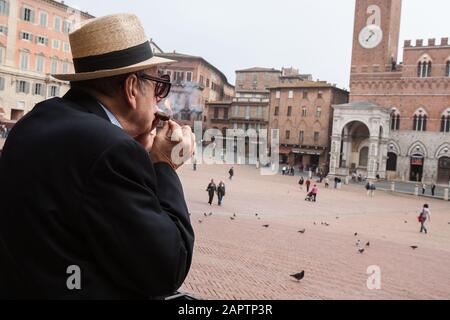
{"points": [[240, 259]]}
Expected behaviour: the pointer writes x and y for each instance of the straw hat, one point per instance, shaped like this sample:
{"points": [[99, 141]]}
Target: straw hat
{"points": [[109, 46]]}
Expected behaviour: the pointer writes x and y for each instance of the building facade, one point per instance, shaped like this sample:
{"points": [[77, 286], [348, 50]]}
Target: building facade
{"points": [[34, 43], [302, 113], [397, 124], [195, 82]]}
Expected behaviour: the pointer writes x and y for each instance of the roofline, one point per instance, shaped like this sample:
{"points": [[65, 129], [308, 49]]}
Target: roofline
{"points": [[186, 56], [328, 86], [253, 70], [65, 6]]}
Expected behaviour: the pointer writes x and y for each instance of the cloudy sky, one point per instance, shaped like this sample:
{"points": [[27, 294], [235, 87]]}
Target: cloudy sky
{"points": [[314, 36]]}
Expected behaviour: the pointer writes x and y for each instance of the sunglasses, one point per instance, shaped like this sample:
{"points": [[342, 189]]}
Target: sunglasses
{"points": [[163, 84]]}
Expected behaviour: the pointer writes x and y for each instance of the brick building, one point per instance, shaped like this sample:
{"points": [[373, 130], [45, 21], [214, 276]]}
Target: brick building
{"points": [[34, 43], [195, 82], [302, 112], [397, 124]]}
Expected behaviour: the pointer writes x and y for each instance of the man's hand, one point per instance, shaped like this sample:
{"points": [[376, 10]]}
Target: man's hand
{"points": [[173, 145]]}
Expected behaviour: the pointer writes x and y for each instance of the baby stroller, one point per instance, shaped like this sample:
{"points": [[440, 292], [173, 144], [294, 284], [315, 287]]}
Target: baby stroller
{"points": [[310, 197]]}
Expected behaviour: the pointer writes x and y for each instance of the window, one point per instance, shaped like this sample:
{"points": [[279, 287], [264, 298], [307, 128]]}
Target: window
{"points": [[26, 36], [55, 44], [22, 86], [291, 94], [54, 66], [319, 95], [424, 69], [395, 121], [2, 84], [53, 91], [4, 8], [40, 63], [67, 26], [207, 83], [188, 76], [66, 47], [4, 30], [301, 137], [420, 121], [289, 111], [304, 112], [259, 112], [24, 60], [2, 54], [65, 67], [28, 15], [201, 80], [236, 111], [305, 94], [277, 95], [316, 137], [57, 23], [447, 69], [216, 113], [445, 121], [318, 112], [43, 19], [225, 114], [277, 111], [42, 40], [247, 112], [38, 89], [288, 134]]}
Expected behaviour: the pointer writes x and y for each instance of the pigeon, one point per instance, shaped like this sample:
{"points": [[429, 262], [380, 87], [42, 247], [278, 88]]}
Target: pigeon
{"points": [[210, 214], [414, 247], [337, 217], [204, 213], [265, 225], [231, 218], [406, 221], [315, 223], [361, 251], [259, 218], [200, 221], [356, 233], [302, 231], [326, 224], [358, 243], [234, 215], [368, 244], [298, 276], [256, 214]]}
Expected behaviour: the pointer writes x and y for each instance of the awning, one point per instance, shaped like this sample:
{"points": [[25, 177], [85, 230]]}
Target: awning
{"points": [[284, 150], [315, 152]]}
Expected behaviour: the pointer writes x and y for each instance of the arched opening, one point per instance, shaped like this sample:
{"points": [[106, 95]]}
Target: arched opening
{"points": [[391, 164], [354, 154], [444, 171], [363, 157], [416, 171]]}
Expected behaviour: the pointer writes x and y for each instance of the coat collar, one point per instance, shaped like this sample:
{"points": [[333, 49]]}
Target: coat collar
{"points": [[85, 101]]}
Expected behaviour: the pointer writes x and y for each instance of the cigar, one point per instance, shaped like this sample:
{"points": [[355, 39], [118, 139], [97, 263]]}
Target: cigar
{"points": [[162, 116]]}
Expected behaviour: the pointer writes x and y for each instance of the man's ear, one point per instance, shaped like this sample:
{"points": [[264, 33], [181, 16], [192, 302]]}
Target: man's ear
{"points": [[130, 90]]}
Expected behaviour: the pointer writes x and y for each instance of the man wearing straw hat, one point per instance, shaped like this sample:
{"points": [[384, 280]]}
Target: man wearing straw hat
{"points": [[94, 208]]}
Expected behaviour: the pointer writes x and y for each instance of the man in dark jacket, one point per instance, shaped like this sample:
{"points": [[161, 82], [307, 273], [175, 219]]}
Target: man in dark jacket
{"points": [[91, 205], [220, 192], [211, 188]]}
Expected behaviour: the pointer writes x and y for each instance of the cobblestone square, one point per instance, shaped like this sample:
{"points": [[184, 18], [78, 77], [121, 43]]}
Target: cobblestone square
{"points": [[241, 259]]}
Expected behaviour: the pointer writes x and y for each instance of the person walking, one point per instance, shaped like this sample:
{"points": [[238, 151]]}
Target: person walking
{"points": [[231, 173], [424, 188], [308, 184], [220, 192], [423, 217], [314, 192], [211, 188], [372, 189], [301, 182], [194, 164], [433, 189], [368, 186], [327, 183]]}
